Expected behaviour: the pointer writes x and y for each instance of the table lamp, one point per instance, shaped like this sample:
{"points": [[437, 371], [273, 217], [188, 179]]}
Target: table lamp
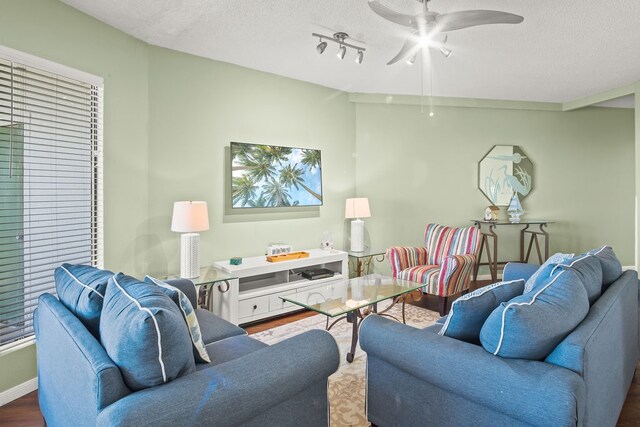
{"points": [[357, 208], [189, 218]]}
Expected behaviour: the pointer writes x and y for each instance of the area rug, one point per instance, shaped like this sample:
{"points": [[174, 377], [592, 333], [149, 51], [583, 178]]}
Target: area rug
{"points": [[346, 386]]}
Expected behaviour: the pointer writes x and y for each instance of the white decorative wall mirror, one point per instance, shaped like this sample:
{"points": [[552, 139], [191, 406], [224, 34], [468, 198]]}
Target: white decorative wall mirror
{"points": [[503, 171]]}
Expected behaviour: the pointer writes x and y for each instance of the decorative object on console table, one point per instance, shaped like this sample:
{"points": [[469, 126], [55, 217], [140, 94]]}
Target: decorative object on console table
{"points": [[515, 209], [235, 261], [189, 218], [491, 213], [278, 248], [505, 170], [287, 256], [357, 208], [327, 241]]}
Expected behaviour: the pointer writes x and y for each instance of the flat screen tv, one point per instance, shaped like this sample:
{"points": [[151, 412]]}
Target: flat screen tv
{"points": [[269, 176]]}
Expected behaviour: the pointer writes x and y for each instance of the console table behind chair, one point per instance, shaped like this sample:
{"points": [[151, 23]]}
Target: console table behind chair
{"points": [[491, 248]]}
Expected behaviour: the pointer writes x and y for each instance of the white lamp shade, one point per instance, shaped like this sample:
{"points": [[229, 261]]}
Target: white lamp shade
{"points": [[190, 217], [357, 208]]}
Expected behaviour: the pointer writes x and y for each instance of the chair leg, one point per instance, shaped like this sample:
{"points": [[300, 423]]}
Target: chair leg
{"points": [[442, 305]]}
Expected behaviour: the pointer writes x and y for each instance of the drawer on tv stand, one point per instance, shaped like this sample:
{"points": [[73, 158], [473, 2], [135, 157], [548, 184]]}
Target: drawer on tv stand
{"points": [[253, 306]]}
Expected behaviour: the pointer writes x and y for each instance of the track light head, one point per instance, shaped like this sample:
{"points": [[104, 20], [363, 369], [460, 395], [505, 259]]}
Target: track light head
{"points": [[341, 52], [446, 52], [443, 49], [360, 57], [321, 47], [411, 60]]}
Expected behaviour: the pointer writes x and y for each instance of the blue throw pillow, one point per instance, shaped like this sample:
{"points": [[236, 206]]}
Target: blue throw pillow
{"points": [[531, 325], [611, 266], [189, 315], [144, 333], [538, 276], [590, 273], [81, 289], [469, 312]]}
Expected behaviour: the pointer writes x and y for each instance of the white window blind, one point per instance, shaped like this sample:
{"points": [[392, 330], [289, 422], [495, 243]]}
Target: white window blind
{"points": [[50, 186]]}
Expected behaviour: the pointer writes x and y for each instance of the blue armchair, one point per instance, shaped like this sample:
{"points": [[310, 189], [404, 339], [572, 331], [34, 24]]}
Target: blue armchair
{"points": [[247, 383], [417, 376]]}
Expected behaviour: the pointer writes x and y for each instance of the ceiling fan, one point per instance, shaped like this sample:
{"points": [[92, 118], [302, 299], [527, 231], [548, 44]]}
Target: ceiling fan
{"points": [[428, 23]]}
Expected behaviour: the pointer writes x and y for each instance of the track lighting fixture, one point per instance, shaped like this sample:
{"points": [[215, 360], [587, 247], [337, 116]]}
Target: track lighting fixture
{"points": [[339, 38]]}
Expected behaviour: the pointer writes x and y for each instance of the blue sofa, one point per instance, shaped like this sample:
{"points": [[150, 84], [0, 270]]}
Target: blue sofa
{"points": [[248, 383], [417, 376]]}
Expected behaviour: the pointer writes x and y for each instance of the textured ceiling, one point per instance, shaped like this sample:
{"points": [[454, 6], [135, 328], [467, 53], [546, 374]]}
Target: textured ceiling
{"points": [[563, 50]]}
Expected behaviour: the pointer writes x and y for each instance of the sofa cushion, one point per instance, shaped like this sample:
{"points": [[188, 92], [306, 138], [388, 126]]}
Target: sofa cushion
{"points": [[611, 266], [144, 333], [469, 312], [531, 325], [590, 272], [188, 313], [538, 276], [213, 328], [81, 290], [231, 348]]}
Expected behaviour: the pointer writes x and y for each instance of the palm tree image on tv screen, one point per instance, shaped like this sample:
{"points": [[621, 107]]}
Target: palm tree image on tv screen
{"points": [[268, 176]]}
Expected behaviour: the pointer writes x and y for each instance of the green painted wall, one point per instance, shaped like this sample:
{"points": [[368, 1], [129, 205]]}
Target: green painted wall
{"points": [[17, 367], [54, 31], [196, 107], [167, 120], [417, 169]]}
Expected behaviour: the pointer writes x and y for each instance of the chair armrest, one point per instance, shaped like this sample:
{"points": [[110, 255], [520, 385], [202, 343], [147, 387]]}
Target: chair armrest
{"points": [[403, 257], [76, 377], [233, 392], [455, 273], [543, 393], [518, 270], [187, 287]]}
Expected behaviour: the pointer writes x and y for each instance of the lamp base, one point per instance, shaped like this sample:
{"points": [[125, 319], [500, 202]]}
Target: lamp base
{"points": [[357, 235], [189, 255]]}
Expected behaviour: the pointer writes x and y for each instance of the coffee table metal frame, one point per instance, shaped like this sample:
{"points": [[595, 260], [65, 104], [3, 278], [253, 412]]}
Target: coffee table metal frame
{"points": [[358, 310]]}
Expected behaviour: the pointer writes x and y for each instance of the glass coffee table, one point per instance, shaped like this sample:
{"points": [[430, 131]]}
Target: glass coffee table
{"points": [[354, 299]]}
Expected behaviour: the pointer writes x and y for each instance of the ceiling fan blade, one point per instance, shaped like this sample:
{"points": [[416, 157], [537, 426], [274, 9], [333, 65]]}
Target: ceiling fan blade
{"points": [[392, 15], [471, 18], [409, 48]]}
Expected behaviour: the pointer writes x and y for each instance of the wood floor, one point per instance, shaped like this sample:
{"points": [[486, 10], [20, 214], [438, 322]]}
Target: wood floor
{"points": [[24, 412]]}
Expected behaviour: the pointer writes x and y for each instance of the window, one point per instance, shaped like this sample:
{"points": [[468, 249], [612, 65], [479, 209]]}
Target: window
{"points": [[50, 182]]}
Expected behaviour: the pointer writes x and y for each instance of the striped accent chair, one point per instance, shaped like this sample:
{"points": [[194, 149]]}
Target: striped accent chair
{"points": [[444, 264]]}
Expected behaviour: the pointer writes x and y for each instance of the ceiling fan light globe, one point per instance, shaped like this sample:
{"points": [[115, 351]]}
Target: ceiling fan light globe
{"points": [[411, 60], [321, 47], [359, 57], [424, 41], [342, 52]]}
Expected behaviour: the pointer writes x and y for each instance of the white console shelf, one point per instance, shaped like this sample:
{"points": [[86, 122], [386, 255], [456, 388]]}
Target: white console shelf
{"points": [[255, 295]]}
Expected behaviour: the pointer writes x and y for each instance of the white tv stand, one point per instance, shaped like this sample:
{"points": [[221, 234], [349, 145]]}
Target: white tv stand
{"points": [[255, 295]]}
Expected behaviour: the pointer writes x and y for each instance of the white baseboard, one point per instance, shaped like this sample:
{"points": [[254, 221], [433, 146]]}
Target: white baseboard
{"points": [[18, 391], [629, 267]]}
